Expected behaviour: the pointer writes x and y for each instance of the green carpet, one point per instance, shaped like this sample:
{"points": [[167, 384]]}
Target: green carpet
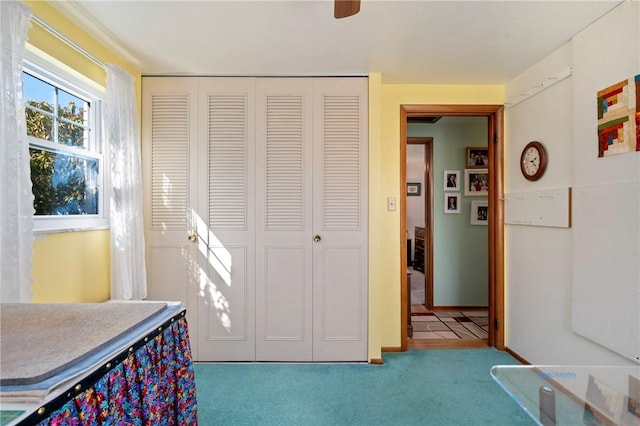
{"points": [[7, 416], [427, 387]]}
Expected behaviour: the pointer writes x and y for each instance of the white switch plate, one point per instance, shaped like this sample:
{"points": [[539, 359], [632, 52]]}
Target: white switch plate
{"points": [[391, 204]]}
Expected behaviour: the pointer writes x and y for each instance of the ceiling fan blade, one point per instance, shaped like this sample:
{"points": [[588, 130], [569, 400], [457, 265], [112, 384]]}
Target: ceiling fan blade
{"points": [[345, 8]]}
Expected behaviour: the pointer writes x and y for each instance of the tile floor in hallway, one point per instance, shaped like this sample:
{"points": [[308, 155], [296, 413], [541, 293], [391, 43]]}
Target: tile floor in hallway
{"points": [[463, 324]]}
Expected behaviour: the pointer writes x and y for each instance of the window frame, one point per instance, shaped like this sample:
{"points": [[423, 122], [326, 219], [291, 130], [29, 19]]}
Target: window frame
{"points": [[50, 70]]}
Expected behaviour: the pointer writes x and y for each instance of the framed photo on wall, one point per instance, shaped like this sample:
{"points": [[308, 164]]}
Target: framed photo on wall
{"points": [[476, 182], [414, 189], [452, 202], [477, 157], [452, 180], [479, 213]]}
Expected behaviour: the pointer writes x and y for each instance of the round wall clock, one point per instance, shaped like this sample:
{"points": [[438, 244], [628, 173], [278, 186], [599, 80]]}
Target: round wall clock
{"points": [[533, 161]]}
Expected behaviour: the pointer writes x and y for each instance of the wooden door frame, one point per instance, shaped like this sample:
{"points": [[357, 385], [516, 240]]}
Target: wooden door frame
{"points": [[428, 217], [495, 138]]}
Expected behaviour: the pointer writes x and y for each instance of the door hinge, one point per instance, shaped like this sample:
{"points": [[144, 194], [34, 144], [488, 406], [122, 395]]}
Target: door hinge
{"points": [[495, 138], [496, 324]]}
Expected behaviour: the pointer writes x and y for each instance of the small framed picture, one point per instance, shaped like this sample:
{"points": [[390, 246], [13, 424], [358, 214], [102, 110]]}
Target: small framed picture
{"points": [[477, 157], [476, 182], [452, 180], [451, 202], [479, 213], [413, 189]]}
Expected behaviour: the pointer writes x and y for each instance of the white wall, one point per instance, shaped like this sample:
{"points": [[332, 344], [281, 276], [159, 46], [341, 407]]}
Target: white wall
{"points": [[606, 238], [540, 261]]}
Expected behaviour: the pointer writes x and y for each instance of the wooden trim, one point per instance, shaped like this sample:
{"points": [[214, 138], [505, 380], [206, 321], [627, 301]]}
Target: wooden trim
{"points": [[517, 356], [447, 110], [570, 206], [496, 228], [403, 232], [419, 140], [448, 344], [393, 349], [428, 216], [376, 361], [495, 137], [428, 221]]}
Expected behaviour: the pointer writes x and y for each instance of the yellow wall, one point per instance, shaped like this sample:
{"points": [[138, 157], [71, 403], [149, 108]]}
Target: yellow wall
{"points": [[72, 267], [384, 175]]}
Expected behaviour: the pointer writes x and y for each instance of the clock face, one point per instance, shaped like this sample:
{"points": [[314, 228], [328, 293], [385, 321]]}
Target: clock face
{"points": [[533, 161]]}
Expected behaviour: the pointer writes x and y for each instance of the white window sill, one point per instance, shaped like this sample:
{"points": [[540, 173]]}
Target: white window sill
{"points": [[54, 225]]}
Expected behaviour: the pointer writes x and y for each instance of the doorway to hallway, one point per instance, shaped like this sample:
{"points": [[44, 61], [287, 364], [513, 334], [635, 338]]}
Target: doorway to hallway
{"points": [[495, 313]]}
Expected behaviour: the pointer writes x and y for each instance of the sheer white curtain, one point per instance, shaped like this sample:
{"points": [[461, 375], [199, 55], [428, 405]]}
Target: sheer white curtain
{"points": [[16, 198], [128, 272]]}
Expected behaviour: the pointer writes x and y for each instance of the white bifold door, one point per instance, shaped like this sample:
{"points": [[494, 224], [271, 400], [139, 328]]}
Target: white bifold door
{"points": [[256, 213]]}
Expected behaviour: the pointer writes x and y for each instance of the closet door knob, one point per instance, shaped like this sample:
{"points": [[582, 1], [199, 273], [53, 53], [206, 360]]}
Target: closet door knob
{"points": [[193, 238], [317, 238]]}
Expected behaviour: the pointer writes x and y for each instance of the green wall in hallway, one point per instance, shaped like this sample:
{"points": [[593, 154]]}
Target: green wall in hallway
{"points": [[461, 273]]}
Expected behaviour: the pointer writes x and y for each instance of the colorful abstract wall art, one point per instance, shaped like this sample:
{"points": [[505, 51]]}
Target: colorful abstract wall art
{"points": [[619, 118]]}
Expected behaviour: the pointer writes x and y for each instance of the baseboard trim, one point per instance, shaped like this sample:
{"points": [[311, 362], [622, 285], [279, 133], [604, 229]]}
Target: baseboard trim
{"points": [[516, 356], [376, 361], [392, 349]]}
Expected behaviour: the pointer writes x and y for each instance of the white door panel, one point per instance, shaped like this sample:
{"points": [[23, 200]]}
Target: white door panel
{"points": [[340, 219], [339, 327], [225, 322], [169, 128], [226, 205], [285, 293], [338, 299], [284, 324], [283, 219], [163, 267]]}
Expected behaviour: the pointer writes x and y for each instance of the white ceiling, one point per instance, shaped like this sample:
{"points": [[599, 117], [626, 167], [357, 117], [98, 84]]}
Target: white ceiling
{"points": [[433, 42]]}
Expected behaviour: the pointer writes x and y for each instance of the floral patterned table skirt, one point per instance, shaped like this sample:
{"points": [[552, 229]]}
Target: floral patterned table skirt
{"points": [[150, 383]]}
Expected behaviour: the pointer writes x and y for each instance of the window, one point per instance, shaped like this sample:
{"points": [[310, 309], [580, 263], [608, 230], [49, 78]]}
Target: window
{"points": [[68, 173]]}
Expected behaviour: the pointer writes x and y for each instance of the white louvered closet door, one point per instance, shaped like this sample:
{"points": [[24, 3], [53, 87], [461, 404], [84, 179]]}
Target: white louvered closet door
{"points": [[226, 208], [311, 239], [240, 175], [284, 213], [169, 154], [340, 206]]}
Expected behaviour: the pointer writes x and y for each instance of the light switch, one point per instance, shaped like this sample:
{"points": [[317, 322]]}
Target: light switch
{"points": [[391, 204]]}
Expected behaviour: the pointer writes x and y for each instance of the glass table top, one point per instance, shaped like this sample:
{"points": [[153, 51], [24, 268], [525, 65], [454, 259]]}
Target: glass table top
{"points": [[574, 395]]}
